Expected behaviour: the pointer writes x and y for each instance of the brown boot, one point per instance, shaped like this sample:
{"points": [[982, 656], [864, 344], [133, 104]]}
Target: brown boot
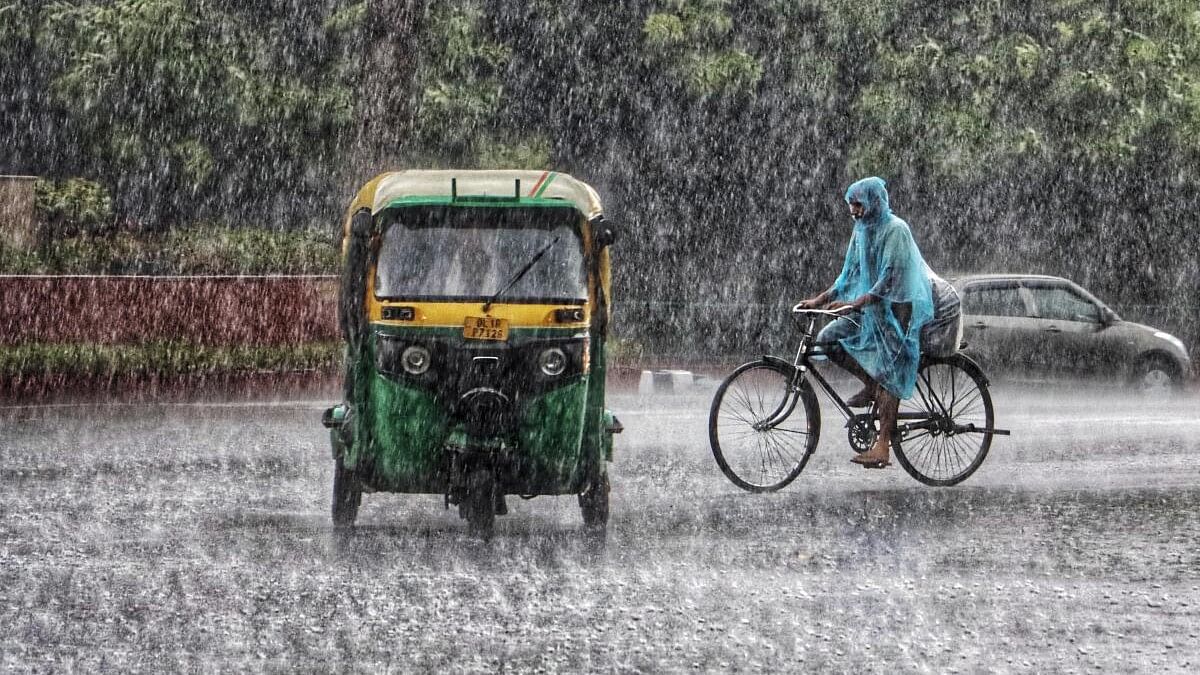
{"points": [[878, 457]]}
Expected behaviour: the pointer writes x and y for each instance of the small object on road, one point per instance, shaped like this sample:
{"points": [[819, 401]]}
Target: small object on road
{"points": [[665, 381]]}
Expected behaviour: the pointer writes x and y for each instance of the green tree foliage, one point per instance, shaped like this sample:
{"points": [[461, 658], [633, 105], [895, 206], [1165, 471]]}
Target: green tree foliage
{"points": [[186, 100], [692, 39], [1056, 136], [432, 91], [459, 78], [1053, 80], [1065, 130], [26, 115]]}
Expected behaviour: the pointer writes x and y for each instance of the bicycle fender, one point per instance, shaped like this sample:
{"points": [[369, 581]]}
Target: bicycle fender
{"points": [[974, 364], [783, 364], [960, 359]]}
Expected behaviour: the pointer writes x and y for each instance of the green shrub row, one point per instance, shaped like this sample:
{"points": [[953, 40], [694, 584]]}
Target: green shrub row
{"points": [[72, 206], [205, 249], [164, 359]]}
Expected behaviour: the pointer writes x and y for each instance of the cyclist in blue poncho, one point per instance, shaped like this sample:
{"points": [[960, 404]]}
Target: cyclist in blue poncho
{"points": [[885, 290]]}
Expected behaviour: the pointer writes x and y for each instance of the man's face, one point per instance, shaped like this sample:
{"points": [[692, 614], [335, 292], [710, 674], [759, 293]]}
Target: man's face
{"points": [[856, 209]]}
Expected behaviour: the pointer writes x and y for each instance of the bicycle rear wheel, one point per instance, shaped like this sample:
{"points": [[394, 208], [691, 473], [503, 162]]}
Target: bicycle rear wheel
{"points": [[761, 428], [944, 430]]}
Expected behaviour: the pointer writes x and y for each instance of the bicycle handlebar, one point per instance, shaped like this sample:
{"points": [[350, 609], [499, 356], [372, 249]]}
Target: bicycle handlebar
{"points": [[840, 313], [797, 309]]}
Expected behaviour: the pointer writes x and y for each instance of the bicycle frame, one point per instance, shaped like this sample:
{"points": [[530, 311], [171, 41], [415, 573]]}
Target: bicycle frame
{"points": [[802, 367], [802, 363]]}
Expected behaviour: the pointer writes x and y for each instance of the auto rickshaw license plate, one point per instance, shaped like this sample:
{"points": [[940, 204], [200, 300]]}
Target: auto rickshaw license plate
{"points": [[485, 328]]}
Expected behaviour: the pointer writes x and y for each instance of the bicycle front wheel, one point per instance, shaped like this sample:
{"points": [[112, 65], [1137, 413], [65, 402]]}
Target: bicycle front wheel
{"points": [[944, 430], [762, 428]]}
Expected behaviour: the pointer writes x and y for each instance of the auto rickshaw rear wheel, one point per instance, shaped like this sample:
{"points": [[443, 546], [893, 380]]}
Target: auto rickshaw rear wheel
{"points": [[478, 505], [347, 496], [594, 504]]}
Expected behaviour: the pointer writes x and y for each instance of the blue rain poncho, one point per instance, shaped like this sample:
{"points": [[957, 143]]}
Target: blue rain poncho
{"points": [[883, 260]]}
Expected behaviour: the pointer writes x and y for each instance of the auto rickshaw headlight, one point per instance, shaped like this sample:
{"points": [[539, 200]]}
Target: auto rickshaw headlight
{"points": [[553, 361], [415, 360], [569, 315]]}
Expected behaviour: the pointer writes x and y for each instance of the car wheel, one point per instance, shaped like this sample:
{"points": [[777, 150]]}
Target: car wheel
{"points": [[1155, 375]]}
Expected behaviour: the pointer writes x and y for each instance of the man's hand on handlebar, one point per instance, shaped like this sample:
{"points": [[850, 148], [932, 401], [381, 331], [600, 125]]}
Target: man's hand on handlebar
{"points": [[818, 305], [822, 302]]}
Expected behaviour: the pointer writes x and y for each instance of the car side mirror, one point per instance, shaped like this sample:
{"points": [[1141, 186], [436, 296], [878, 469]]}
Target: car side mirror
{"points": [[603, 233]]}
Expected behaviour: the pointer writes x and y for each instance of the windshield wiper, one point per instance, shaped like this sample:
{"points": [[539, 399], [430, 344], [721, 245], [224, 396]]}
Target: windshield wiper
{"points": [[517, 277]]}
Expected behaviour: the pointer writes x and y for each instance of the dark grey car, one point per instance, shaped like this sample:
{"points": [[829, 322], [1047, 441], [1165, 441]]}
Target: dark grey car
{"points": [[1049, 327]]}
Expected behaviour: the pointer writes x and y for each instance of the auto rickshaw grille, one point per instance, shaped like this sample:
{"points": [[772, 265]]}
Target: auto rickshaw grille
{"points": [[481, 384], [486, 412]]}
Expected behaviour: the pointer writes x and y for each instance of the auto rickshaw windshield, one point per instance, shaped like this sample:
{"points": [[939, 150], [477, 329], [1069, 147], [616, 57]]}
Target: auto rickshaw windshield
{"points": [[472, 253]]}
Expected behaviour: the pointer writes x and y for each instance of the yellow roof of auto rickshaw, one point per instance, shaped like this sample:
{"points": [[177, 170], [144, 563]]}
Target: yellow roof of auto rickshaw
{"points": [[536, 188]]}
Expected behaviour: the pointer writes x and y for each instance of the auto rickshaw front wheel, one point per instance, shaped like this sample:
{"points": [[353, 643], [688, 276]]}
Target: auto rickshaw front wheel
{"points": [[593, 502], [478, 505], [347, 496]]}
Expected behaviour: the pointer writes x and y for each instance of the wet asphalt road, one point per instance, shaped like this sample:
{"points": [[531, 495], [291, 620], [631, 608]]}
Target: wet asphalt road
{"points": [[196, 537]]}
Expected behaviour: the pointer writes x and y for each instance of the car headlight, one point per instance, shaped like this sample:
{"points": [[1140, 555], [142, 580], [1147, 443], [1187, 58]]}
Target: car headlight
{"points": [[1172, 339], [415, 360], [553, 361]]}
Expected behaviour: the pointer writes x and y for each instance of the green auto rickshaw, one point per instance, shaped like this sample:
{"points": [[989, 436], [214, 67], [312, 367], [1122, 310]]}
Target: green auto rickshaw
{"points": [[475, 307]]}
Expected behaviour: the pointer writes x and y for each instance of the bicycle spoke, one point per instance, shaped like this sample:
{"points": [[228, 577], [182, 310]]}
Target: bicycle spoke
{"points": [[937, 406], [961, 451], [791, 431], [953, 391], [743, 397], [975, 397], [780, 449], [923, 391], [740, 418]]}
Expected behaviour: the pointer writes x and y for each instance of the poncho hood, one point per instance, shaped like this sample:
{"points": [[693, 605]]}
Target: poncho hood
{"points": [[872, 194]]}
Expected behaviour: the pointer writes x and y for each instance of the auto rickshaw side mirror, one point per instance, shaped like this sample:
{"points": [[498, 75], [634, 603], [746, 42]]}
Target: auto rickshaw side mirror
{"points": [[335, 417], [603, 233], [362, 223]]}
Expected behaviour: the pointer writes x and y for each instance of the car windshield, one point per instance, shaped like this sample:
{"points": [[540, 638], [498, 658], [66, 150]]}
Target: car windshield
{"points": [[472, 253]]}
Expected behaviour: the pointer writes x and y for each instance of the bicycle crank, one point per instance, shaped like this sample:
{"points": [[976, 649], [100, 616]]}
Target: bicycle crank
{"points": [[861, 431]]}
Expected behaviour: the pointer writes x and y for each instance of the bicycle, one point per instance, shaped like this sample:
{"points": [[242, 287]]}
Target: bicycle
{"points": [[765, 419]]}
